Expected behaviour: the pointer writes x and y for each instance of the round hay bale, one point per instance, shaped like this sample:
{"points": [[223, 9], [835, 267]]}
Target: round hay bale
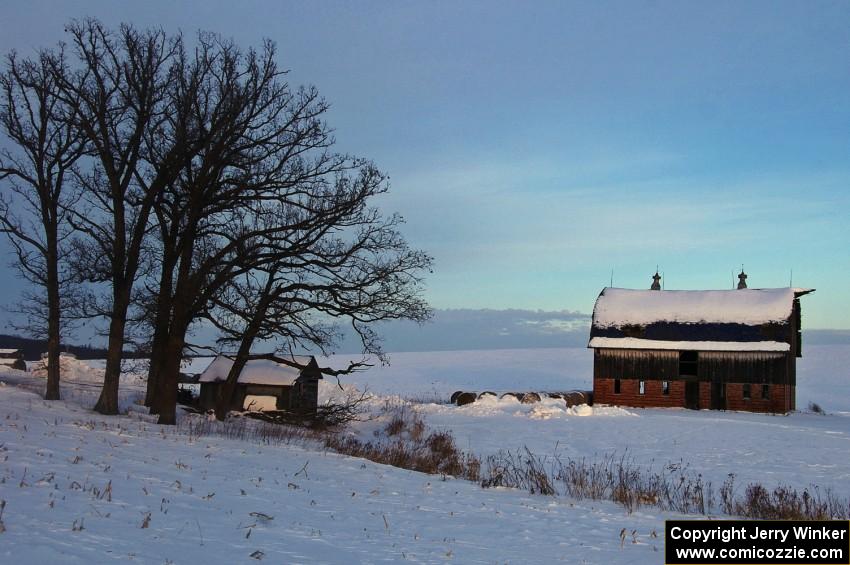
{"points": [[530, 398], [554, 395], [455, 394], [465, 398], [516, 395], [576, 397], [486, 393]]}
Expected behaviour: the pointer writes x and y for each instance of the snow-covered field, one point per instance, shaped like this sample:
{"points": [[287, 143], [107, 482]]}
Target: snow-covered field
{"points": [[56, 460], [798, 449]]}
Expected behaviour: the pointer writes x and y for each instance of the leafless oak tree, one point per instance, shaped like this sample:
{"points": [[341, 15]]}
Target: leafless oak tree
{"points": [[36, 169], [119, 89], [208, 189]]}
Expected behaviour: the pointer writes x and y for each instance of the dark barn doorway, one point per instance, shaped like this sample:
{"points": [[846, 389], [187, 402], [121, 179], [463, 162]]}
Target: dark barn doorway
{"points": [[718, 395], [692, 395]]}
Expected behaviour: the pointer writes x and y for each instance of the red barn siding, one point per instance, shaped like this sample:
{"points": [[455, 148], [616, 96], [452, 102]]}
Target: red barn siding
{"points": [[776, 403], [603, 393]]}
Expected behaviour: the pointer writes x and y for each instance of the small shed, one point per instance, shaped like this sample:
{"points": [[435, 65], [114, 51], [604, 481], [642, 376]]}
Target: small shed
{"points": [[266, 382], [702, 349], [13, 359]]}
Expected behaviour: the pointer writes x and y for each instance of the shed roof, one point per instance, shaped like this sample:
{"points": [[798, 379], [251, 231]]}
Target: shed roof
{"points": [[265, 371]]}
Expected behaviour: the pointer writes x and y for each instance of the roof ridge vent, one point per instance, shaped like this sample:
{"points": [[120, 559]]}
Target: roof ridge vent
{"points": [[656, 281], [742, 279]]}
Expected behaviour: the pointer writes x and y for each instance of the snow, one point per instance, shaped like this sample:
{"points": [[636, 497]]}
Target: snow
{"points": [[256, 371], [814, 448], [71, 369], [84, 488], [620, 306], [637, 343], [205, 494], [8, 351]]}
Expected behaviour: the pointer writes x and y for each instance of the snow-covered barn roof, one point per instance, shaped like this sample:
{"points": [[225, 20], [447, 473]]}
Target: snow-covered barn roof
{"points": [[703, 320], [265, 371], [621, 306], [637, 343]]}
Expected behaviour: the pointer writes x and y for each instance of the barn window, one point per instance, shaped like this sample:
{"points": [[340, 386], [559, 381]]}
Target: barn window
{"points": [[642, 387], [765, 392], [746, 393], [688, 361], [665, 388], [616, 386]]}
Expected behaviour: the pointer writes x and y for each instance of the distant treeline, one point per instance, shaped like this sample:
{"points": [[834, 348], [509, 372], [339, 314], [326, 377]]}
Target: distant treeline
{"points": [[33, 348]]}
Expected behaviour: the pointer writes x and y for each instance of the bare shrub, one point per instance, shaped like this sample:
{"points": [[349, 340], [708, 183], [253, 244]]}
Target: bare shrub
{"points": [[522, 470], [395, 426], [404, 444], [672, 488], [816, 408], [197, 426], [785, 503], [326, 416]]}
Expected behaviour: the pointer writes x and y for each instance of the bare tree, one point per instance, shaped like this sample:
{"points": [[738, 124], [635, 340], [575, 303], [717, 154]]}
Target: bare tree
{"points": [[32, 210], [266, 149], [332, 258], [119, 93]]}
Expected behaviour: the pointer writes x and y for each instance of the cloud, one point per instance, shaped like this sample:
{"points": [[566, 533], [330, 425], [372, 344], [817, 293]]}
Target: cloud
{"points": [[458, 329]]}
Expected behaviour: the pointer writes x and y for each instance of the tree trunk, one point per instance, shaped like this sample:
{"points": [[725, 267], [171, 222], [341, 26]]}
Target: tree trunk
{"points": [[166, 398], [165, 402], [228, 387], [108, 401], [53, 320], [158, 343], [164, 305]]}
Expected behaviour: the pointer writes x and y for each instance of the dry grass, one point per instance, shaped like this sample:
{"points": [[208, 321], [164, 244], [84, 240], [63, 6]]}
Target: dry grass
{"points": [[673, 488], [404, 443], [198, 426]]}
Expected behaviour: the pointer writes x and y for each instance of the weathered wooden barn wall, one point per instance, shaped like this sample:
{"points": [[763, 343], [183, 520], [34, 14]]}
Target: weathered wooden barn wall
{"points": [[729, 366], [636, 363], [744, 367]]}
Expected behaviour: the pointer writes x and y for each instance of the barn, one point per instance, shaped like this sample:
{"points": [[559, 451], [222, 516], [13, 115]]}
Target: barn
{"points": [[701, 349], [266, 382]]}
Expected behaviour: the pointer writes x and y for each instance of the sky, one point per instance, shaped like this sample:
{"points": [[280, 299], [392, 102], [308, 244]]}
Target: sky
{"points": [[539, 150]]}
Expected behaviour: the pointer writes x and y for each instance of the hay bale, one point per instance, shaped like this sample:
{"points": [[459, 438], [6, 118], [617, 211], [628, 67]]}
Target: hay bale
{"points": [[486, 393], [554, 395], [530, 398], [517, 395], [465, 398], [455, 394], [576, 397]]}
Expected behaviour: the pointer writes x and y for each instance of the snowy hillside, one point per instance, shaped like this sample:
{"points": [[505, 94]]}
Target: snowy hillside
{"points": [[81, 488], [75, 482]]}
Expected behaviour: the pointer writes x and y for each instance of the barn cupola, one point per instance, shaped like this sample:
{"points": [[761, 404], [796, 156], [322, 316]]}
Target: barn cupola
{"points": [[742, 280], [656, 282]]}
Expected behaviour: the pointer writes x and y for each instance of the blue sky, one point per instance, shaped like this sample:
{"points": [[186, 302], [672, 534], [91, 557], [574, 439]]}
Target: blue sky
{"points": [[534, 146]]}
